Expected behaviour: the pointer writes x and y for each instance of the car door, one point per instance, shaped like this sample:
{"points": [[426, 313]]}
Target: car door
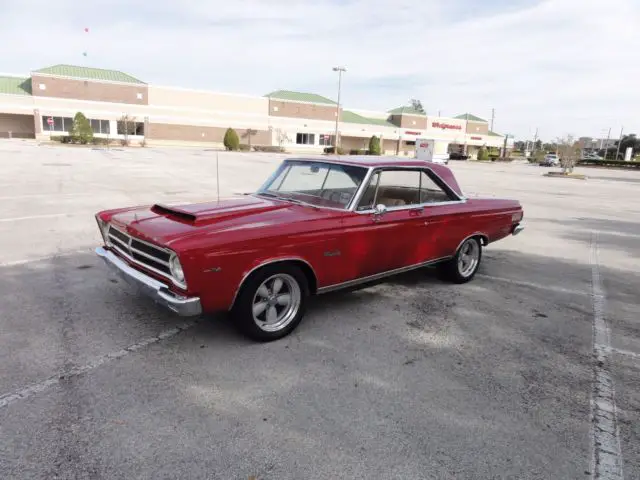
{"points": [[394, 237]]}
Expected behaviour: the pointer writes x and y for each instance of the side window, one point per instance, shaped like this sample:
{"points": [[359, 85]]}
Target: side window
{"points": [[392, 188], [398, 188], [430, 191]]}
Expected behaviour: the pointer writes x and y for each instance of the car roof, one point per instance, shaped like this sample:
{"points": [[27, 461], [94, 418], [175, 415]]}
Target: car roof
{"points": [[366, 161]]}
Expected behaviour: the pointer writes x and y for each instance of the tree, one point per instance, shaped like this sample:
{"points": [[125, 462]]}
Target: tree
{"points": [[247, 135], [374, 146], [537, 145], [81, 130], [627, 141], [569, 152], [282, 138], [231, 140], [417, 105], [483, 154], [126, 126]]}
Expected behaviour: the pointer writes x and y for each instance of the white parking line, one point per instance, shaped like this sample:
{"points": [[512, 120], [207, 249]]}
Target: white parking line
{"points": [[9, 398], [538, 286], [606, 459], [35, 217], [625, 353], [23, 261]]}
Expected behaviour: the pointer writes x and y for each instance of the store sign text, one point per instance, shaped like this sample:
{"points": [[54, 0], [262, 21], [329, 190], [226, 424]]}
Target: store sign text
{"points": [[446, 126], [412, 133], [476, 138]]}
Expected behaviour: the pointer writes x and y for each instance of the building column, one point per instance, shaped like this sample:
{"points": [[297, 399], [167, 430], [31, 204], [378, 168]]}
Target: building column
{"points": [[381, 144]]}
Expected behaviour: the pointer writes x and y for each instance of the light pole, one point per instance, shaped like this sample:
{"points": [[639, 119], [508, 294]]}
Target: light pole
{"points": [[339, 70]]}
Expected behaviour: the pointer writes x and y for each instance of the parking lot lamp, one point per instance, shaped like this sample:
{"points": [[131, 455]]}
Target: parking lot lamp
{"points": [[339, 70]]}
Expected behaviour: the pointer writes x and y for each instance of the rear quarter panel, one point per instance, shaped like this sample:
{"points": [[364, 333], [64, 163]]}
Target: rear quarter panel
{"points": [[490, 218]]}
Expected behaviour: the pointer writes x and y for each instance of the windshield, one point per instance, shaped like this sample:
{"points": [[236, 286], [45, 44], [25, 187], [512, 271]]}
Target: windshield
{"points": [[317, 183]]}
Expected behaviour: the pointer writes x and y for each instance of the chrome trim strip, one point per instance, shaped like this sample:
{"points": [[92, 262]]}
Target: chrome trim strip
{"points": [[413, 207], [162, 249], [113, 237], [264, 264], [128, 256], [377, 276], [158, 291], [150, 257], [484, 236]]}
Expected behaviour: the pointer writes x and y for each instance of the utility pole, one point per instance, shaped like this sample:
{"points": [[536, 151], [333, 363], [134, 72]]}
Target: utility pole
{"points": [[493, 116], [619, 142], [606, 145], [535, 139], [339, 70]]}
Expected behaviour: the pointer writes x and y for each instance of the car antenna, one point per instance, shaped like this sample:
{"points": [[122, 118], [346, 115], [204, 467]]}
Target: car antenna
{"points": [[217, 177]]}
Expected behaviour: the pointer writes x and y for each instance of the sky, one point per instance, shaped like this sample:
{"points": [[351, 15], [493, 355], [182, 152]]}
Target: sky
{"points": [[564, 67]]}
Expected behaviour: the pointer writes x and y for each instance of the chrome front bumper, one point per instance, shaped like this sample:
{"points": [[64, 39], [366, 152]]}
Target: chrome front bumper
{"points": [[517, 229], [158, 291]]}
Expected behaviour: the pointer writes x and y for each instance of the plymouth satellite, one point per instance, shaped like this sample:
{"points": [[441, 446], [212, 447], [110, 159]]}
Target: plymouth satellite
{"points": [[315, 226]]}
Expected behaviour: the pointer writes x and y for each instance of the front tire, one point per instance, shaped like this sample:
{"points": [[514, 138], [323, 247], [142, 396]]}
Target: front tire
{"points": [[271, 302], [464, 265]]}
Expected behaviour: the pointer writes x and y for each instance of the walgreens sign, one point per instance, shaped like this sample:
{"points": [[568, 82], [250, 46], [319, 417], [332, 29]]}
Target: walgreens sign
{"points": [[446, 126]]}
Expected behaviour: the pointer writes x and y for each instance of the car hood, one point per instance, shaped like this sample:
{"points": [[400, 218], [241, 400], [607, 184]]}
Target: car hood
{"points": [[165, 225]]}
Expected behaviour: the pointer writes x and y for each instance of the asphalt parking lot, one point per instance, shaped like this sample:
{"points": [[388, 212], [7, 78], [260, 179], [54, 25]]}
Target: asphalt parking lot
{"points": [[531, 371]]}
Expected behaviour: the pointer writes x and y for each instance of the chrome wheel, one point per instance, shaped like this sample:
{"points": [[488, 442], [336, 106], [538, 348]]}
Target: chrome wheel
{"points": [[468, 257], [276, 302]]}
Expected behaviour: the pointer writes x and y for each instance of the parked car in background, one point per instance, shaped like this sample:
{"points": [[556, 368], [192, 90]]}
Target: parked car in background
{"points": [[550, 160], [458, 156], [591, 156], [313, 227]]}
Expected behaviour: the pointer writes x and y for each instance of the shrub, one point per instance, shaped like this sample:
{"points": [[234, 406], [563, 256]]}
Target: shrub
{"points": [[332, 150], [609, 163], [231, 140], [483, 154], [268, 148], [100, 141], [243, 147], [374, 146], [81, 130]]}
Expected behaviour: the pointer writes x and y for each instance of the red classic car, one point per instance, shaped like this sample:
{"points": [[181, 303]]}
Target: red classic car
{"points": [[315, 225]]}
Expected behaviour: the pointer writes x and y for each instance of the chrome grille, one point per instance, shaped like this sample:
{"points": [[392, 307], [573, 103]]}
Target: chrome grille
{"points": [[150, 256]]}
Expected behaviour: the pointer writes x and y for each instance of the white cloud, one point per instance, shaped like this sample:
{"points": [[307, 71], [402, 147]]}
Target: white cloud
{"points": [[565, 66]]}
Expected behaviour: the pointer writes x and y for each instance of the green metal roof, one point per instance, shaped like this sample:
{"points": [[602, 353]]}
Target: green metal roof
{"points": [[406, 111], [88, 73], [494, 134], [15, 85], [351, 117], [468, 116], [300, 97]]}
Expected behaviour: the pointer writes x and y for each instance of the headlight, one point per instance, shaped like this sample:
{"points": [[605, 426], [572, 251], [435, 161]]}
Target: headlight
{"points": [[176, 268], [104, 230]]}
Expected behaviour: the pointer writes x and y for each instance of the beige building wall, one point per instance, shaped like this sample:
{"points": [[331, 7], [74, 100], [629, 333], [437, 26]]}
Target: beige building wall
{"points": [[310, 111], [19, 125], [184, 99], [58, 87]]}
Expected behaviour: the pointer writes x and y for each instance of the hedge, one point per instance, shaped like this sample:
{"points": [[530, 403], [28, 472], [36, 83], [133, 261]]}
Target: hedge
{"points": [[268, 148], [608, 163], [332, 150], [70, 139]]}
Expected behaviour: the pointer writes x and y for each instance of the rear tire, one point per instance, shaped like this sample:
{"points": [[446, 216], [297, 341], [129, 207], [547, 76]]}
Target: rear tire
{"points": [[271, 302], [464, 265]]}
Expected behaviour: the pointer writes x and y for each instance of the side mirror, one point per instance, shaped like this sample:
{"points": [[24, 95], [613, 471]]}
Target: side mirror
{"points": [[380, 209]]}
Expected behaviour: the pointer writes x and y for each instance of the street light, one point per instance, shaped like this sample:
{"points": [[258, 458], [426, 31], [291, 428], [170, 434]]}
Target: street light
{"points": [[339, 70]]}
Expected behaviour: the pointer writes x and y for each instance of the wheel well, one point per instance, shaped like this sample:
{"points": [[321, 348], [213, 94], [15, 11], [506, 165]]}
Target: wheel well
{"points": [[301, 264], [484, 240]]}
